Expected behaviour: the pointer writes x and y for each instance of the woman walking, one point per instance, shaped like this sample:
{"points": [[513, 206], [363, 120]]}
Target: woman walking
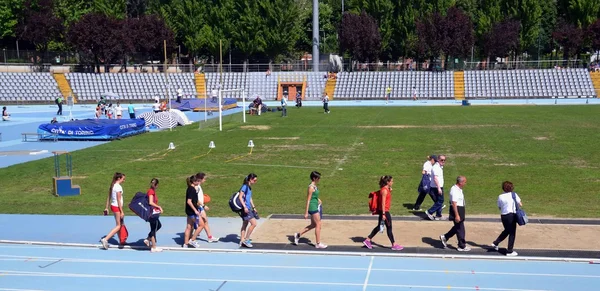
{"points": [[313, 205], [249, 213], [202, 208], [423, 188], [508, 210], [385, 218], [154, 221], [191, 212], [115, 199]]}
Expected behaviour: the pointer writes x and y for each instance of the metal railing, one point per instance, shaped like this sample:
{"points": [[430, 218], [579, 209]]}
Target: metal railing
{"points": [[524, 65]]}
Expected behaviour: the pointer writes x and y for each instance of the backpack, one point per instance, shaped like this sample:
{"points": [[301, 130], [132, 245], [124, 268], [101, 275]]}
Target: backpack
{"points": [[424, 185], [140, 205], [374, 201], [234, 202], [123, 233]]}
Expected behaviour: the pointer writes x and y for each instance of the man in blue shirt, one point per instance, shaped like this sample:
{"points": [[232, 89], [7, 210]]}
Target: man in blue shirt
{"points": [[131, 110]]}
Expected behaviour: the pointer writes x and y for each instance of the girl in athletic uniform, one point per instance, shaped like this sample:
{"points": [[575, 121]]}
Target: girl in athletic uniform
{"points": [[313, 205], [385, 218], [154, 221], [115, 198], [202, 208]]}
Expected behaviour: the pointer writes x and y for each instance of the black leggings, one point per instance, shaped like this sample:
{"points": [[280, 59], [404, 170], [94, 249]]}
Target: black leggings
{"points": [[388, 226], [155, 225], [509, 221]]}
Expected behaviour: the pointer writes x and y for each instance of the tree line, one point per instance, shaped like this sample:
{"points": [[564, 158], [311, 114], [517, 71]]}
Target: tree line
{"points": [[111, 31]]}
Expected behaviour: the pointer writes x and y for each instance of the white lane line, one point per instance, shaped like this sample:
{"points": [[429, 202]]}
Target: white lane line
{"points": [[98, 276], [369, 269], [368, 274]]}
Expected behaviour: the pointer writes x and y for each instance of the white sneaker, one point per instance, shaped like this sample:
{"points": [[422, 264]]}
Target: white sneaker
{"points": [[194, 244], [321, 246], [465, 249], [495, 247], [213, 239], [147, 242], [296, 238], [156, 250], [429, 215], [443, 206], [104, 243], [443, 239], [513, 254]]}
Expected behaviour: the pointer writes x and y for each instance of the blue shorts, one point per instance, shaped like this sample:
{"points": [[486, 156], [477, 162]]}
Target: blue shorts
{"points": [[319, 210], [247, 216], [196, 217]]}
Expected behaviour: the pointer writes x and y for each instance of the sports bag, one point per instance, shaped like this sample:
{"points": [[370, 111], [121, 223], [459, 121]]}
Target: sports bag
{"points": [[140, 206], [123, 233], [424, 185], [374, 201], [234, 202], [521, 215]]}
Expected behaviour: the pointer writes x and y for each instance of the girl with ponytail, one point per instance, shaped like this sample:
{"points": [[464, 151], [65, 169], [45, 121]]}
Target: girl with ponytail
{"points": [[115, 198], [154, 221], [191, 211], [385, 218], [249, 215]]}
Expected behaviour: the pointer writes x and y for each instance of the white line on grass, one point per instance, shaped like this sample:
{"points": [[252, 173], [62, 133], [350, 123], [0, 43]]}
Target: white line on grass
{"points": [[369, 269], [78, 275], [368, 274], [276, 166]]}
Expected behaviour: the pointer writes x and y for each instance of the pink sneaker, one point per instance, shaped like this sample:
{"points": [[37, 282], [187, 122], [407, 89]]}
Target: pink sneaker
{"points": [[397, 248], [368, 244]]}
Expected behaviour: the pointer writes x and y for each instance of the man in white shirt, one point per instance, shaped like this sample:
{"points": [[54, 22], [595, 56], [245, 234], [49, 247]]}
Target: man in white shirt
{"points": [[457, 215], [437, 189]]}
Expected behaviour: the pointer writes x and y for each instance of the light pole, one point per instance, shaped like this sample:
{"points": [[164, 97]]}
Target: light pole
{"points": [[4, 49]]}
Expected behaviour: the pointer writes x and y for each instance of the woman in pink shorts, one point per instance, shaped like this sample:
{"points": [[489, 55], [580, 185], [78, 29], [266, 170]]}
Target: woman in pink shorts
{"points": [[115, 198]]}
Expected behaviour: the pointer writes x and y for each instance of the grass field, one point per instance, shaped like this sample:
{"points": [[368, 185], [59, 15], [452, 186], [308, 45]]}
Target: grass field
{"points": [[549, 152]]}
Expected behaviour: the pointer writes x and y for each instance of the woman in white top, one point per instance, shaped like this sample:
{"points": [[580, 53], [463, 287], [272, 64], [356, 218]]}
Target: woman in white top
{"points": [[119, 110], [115, 197], [508, 210], [202, 221], [427, 166]]}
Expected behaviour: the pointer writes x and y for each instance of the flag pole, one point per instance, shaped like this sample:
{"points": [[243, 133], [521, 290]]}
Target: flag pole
{"points": [[167, 83]]}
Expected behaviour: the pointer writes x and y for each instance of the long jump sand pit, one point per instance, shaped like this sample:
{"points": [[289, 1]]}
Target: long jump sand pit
{"points": [[426, 234]]}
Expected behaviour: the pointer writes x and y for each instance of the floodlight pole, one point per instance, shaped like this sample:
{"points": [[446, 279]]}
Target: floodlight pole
{"points": [[167, 83], [315, 36], [244, 104]]}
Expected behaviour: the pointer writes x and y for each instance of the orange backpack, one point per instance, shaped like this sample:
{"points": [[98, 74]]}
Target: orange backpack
{"points": [[374, 201]]}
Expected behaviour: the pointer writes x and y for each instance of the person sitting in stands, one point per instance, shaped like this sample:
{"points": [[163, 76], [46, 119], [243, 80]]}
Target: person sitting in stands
{"points": [[163, 106], [5, 115], [53, 121], [156, 106]]}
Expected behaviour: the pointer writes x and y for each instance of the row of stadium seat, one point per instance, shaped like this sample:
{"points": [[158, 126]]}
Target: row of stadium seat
{"points": [[36, 87]]}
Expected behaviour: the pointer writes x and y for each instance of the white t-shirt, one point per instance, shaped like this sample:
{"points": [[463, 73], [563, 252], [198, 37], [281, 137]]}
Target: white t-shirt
{"points": [[427, 167], [456, 195], [113, 196], [437, 171], [507, 204], [156, 106], [119, 110], [200, 194]]}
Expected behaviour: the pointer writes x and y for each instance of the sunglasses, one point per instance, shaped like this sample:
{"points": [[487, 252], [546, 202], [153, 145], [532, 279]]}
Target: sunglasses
{"points": [[442, 160]]}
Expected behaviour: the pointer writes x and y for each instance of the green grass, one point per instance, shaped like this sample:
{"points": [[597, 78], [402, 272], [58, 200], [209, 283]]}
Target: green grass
{"points": [[549, 152]]}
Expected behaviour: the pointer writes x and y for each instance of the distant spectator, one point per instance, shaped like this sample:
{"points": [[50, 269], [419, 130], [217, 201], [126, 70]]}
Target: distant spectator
{"points": [[156, 106], [268, 73], [53, 121], [110, 111], [258, 104], [214, 93], [5, 115], [131, 110], [59, 102], [179, 95], [326, 103], [119, 110]]}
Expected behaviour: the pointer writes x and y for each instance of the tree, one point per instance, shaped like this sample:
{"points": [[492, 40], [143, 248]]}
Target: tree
{"points": [[359, 36], [459, 33], [10, 11], [39, 25], [583, 12], [502, 39], [431, 35], [593, 33], [569, 37], [147, 34], [282, 27], [248, 37], [382, 11], [136, 8], [113, 8], [100, 39]]}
